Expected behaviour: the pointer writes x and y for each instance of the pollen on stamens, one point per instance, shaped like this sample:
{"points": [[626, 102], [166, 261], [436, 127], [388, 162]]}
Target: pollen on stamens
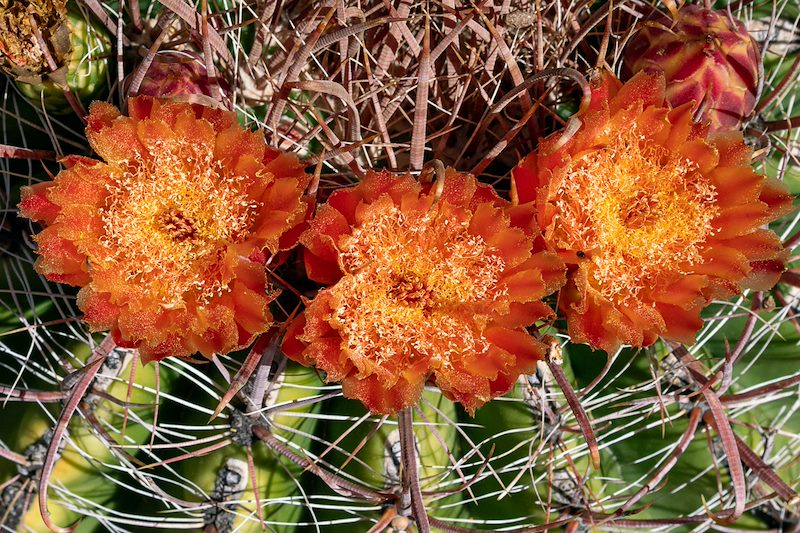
{"points": [[413, 287], [637, 210], [170, 217]]}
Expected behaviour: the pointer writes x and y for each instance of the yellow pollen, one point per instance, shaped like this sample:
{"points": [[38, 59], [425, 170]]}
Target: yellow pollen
{"points": [[637, 210], [169, 220], [414, 287]]}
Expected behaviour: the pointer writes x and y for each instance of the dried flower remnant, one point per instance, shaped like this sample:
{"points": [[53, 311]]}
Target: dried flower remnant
{"points": [[27, 26], [653, 216], [168, 238], [422, 289], [707, 57], [85, 71]]}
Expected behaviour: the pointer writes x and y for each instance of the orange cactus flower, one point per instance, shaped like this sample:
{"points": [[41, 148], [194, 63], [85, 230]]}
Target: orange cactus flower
{"points": [[168, 237], [422, 288], [653, 216]]}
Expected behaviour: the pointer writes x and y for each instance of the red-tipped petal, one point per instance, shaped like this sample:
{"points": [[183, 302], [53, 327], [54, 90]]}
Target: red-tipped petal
{"points": [[36, 205]]}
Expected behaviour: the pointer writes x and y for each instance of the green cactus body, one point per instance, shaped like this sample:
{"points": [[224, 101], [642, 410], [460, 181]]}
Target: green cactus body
{"points": [[774, 349], [377, 462], [277, 480], [73, 475], [540, 457], [81, 476], [87, 69], [509, 426], [634, 447], [776, 163]]}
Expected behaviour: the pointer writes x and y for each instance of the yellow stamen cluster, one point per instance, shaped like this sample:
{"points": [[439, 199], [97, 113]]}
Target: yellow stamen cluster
{"points": [[414, 286], [170, 218], [636, 210]]}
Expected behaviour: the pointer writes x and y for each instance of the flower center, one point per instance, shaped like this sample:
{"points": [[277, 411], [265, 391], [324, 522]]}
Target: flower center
{"points": [[169, 220], [177, 225], [637, 210], [409, 290], [419, 286], [641, 210]]}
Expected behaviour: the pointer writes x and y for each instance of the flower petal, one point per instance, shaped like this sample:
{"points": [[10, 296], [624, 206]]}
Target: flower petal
{"points": [[380, 399], [59, 259], [525, 349], [36, 205], [647, 87]]}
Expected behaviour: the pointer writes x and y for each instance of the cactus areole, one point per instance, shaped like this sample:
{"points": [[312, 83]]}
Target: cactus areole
{"points": [[707, 57], [168, 237]]}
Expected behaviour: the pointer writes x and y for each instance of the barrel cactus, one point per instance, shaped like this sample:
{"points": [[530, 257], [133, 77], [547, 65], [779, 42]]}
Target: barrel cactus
{"points": [[384, 266]]}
